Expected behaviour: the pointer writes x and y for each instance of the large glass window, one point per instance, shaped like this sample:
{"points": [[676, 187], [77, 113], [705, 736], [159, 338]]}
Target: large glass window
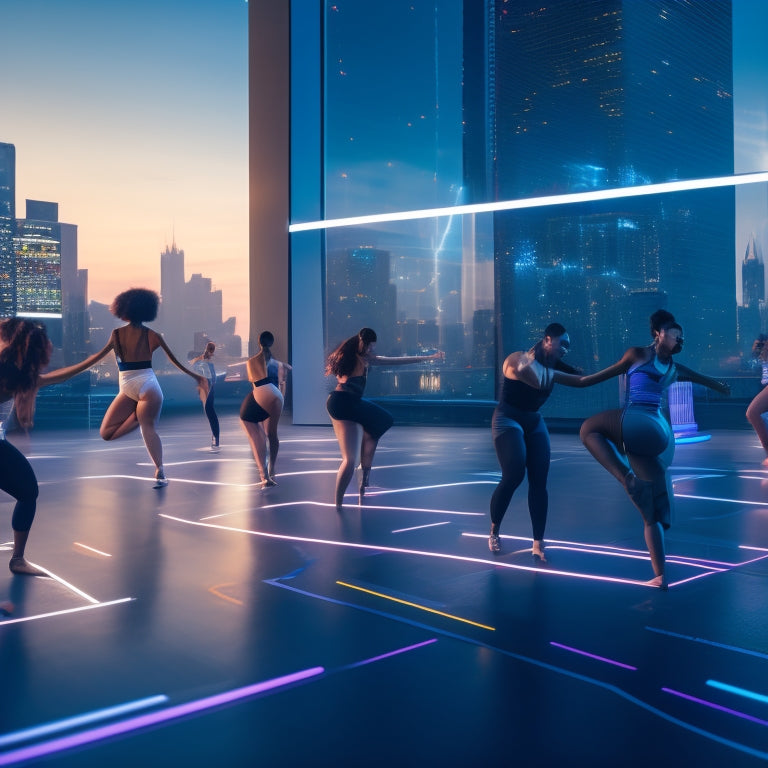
{"points": [[457, 104]]}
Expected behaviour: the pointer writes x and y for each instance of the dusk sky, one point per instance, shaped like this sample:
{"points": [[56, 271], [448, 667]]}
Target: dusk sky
{"points": [[133, 117]]}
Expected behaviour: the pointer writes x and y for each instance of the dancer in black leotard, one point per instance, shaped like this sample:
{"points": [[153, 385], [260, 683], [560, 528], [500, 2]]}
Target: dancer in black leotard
{"points": [[635, 443], [347, 407], [520, 435], [263, 406], [209, 371]]}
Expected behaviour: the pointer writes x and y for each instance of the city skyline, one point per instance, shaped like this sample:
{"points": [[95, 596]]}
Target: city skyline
{"points": [[140, 136]]}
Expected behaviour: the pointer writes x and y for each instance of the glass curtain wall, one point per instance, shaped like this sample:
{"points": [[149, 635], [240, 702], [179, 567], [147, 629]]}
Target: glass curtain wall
{"points": [[450, 104]]}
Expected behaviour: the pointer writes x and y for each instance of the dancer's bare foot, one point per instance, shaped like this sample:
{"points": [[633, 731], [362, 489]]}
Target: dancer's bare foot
{"points": [[20, 566], [538, 551], [660, 582], [765, 462]]}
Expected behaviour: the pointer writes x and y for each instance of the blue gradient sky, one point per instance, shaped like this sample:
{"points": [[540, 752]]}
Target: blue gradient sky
{"points": [[133, 117]]}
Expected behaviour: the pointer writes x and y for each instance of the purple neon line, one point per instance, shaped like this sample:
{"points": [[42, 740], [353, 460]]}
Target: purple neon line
{"points": [[153, 718], [712, 705], [417, 527], [392, 653], [593, 656]]}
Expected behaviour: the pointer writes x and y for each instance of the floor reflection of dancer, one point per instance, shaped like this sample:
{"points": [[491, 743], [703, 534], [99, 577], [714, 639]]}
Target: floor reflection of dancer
{"points": [[209, 371], [24, 351], [759, 405], [261, 408], [347, 407], [140, 399], [635, 443], [520, 435]]}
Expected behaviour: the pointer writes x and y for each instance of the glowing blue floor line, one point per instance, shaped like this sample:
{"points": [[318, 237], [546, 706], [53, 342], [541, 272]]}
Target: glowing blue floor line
{"points": [[434, 487], [6, 622], [537, 663], [76, 721], [747, 694], [716, 498], [419, 527], [714, 644]]}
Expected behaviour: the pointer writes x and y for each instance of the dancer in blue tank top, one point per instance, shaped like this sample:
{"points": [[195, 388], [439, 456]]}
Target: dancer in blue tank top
{"points": [[635, 443]]}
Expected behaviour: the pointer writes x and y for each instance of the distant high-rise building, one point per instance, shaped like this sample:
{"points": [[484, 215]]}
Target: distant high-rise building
{"points": [[753, 274], [191, 310], [37, 243], [571, 97], [7, 227]]}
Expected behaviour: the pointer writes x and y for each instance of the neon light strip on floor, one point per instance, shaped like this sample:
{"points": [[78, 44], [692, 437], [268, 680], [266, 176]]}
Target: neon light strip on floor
{"points": [[534, 202], [154, 718], [91, 549], [6, 622], [390, 654], [714, 644], [415, 605], [754, 549], [747, 694], [684, 559], [76, 721], [419, 527], [716, 498], [66, 584], [330, 505], [712, 705], [431, 487], [421, 553], [593, 656], [540, 664]]}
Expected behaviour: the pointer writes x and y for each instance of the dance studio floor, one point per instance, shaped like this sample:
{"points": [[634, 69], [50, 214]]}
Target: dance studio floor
{"points": [[211, 623]]}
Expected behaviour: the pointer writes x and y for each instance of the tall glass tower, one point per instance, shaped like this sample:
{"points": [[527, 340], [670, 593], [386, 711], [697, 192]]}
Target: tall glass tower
{"points": [[7, 224]]}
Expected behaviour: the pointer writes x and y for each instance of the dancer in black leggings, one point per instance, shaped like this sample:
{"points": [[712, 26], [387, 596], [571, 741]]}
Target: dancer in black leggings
{"points": [[347, 407], [24, 351], [520, 436]]}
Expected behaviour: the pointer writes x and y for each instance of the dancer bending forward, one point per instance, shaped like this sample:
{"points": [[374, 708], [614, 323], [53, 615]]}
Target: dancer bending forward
{"points": [[635, 443], [348, 408]]}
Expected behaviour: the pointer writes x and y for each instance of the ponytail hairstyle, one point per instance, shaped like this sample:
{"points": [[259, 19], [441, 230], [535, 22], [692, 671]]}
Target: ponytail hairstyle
{"points": [[266, 340], [343, 359], [210, 348], [27, 352]]}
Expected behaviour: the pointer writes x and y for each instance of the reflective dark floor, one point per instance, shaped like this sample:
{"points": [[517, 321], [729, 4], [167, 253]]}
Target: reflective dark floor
{"points": [[213, 623]]}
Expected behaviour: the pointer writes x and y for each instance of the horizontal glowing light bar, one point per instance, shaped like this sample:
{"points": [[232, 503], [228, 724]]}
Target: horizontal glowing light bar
{"points": [[432, 487], [754, 549], [738, 691], [719, 707], [22, 619], [669, 558], [422, 553], [694, 439], [419, 527], [535, 202], [593, 656], [40, 315], [391, 653], [714, 644], [415, 605], [91, 549], [76, 721], [153, 718]]}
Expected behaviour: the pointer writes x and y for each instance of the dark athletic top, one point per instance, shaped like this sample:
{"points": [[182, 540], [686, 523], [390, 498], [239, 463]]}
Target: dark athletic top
{"points": [[134, 366], [354, 385]]}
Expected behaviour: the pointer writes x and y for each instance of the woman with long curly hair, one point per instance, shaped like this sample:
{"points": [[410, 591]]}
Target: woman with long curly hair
{"points": [[347, 407], [24, 352], [140, 399]]}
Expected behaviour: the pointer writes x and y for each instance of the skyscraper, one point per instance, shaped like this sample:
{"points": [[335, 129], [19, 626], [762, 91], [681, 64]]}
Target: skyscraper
{"points": [[7, 225], [600, 94]]}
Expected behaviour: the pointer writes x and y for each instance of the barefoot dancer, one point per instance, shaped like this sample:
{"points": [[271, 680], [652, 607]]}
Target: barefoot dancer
{"points": [[347, 407]]}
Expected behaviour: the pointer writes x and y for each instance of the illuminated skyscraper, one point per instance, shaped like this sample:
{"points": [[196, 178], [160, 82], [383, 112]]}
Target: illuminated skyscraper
{"points": [[37, 244], [7, 225]]}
